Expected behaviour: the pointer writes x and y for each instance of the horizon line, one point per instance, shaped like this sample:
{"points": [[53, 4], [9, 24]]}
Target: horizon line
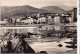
{"points": [[37, 7]]}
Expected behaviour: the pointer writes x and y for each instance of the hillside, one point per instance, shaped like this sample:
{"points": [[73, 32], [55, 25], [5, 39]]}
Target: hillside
{"points": [[67, 8], [54, 9], [26, 9], [6, 12]]}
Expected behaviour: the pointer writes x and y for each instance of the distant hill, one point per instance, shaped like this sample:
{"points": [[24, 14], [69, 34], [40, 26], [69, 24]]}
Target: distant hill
{"points": [[54, 9], [26, 9], [67, 8], [6, 12]]}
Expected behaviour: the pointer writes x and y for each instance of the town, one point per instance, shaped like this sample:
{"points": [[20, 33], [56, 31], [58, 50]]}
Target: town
{"points": [[44, 18]]}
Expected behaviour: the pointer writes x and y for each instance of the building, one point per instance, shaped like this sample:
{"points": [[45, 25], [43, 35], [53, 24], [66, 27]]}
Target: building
{"points": [[9, 21], [66, 18], [57, 19], [15, 19], [74, 15], [2, 23], [41, 20], [29, 20], [70, 20], [38, 15], [23, 22], [50, 19], [18, 20]]}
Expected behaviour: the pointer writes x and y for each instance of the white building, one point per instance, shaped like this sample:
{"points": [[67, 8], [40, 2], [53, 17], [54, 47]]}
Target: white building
{"points": [[70, 19], [23, 21], [41, 20], [57, 19], [18, 20], [50, 20], [29, 20], [3, 22], [13, 20], [38, 15]]}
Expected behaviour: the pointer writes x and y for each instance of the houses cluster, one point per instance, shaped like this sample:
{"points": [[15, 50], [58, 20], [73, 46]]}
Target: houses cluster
{"points": [[49, 18]]}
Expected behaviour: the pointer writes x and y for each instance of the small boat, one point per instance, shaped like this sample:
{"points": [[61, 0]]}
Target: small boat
{"points": [[71, 46], [71, 42]]}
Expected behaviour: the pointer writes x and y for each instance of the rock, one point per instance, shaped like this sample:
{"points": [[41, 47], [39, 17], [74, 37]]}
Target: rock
{"points": [[60, 45]]}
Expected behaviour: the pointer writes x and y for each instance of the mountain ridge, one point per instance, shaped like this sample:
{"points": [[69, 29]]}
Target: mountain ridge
{"points": [[54, 9], [26, 9]]}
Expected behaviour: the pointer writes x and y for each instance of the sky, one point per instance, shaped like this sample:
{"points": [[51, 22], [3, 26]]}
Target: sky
{"points": [[38, 3]]}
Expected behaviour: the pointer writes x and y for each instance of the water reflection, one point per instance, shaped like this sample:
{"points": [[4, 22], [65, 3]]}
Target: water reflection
{"points": [[18, 30]]}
